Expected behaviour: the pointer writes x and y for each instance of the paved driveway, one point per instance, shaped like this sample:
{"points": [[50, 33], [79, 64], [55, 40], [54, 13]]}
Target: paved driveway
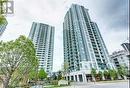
{"points": [[100, 85], [37, 86]]}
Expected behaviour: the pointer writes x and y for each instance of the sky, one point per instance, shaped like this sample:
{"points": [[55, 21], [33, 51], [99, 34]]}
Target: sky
{"points": [[110, 15]]}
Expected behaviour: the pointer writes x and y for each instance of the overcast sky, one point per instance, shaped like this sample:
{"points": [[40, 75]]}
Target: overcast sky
{"points": [[110, 15]]}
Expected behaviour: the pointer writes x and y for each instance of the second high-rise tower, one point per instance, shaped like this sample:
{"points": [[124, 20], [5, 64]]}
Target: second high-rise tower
{"points": [[42, 36]]}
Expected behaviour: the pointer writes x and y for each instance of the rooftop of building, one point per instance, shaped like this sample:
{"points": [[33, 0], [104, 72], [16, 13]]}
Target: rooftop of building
{"points": [[118, 53]]}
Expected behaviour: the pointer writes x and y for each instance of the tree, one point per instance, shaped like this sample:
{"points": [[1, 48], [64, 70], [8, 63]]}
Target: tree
{"points": [[106, 74], [100, 74], [93, 73], [42, 74], [2, 18], [59, 76], [17, 59], [122, 72], [112, 73], [65, 69], [33, 75], [54, 77]]}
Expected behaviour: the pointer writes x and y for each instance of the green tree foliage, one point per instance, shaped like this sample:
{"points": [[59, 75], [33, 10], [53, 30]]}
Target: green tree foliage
{"points": [[112, 73], [2, 17], [66, 66], [122, 71], [106, 74], [93, 72], [100, 74], [54, 77], [59, 77], [17, 59], [42, 74], [33, 75]]}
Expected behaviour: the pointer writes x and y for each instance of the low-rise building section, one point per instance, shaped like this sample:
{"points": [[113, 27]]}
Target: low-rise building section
{"points": [[119, 58]]}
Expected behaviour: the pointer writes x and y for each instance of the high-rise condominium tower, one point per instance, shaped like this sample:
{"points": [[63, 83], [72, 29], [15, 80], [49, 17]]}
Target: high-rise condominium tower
{"points": [[42, 36], [84, 47]]}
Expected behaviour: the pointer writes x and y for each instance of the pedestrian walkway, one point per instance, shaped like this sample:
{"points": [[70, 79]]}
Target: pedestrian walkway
{"points": [[82, 83], [99, 85]]}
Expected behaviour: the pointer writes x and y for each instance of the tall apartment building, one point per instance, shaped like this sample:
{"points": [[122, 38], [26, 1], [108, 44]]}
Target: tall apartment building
{"points": [[84, 47], [3, 27], [119, 58], [42, 36]]}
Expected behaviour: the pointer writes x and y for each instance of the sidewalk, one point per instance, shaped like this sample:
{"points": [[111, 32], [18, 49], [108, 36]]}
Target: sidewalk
{"points": [[99, 82], [112, 84]]}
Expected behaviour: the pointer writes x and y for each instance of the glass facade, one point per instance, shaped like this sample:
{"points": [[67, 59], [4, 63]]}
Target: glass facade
{"points": [[83, 41], [42, 36]]}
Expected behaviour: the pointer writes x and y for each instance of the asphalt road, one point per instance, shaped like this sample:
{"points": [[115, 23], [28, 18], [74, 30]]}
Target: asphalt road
{"points": [[100, 85]]}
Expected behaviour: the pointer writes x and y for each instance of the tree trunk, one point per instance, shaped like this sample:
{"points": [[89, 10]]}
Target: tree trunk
{"points": [[25, 80], [6, 82], [125, 78], [112, 78], [103, 78], [119, 77], [94, 79]]}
